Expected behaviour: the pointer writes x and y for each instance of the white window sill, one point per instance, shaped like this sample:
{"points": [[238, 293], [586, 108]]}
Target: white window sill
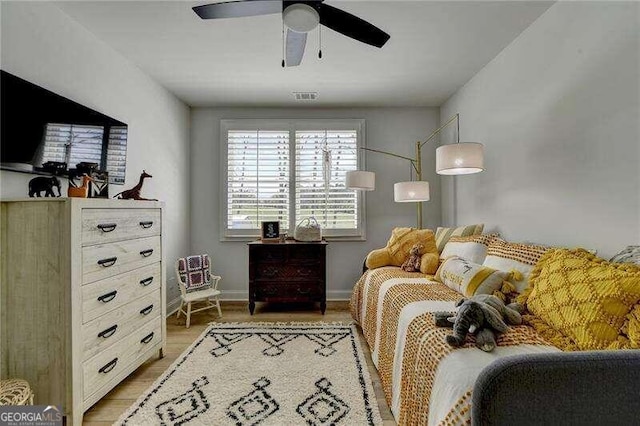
{"points": [[248, 239]]}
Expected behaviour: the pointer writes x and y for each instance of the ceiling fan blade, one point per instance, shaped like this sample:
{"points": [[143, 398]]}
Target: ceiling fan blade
{"points": [[295, 47], [351, 26], [237, 9]]}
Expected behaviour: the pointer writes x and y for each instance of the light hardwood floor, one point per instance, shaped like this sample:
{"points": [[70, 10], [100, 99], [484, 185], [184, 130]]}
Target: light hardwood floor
{"points": [[109, 408]]}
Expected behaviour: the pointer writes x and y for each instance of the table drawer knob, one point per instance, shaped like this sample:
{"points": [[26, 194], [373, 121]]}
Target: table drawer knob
{"points": [[109, 366], [146, 224], [146, 281], [109, 261], [108, 297], [107, 227], [146, 253], [147, 310], [270, 272], [146, 339], [108, 332]]}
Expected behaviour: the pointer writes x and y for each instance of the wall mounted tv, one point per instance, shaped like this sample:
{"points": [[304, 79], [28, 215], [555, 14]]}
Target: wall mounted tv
{"points": [[42, 132]]}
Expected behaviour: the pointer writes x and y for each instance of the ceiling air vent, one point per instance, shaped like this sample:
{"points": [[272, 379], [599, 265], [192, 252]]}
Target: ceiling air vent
{"points": [[305, 96]]}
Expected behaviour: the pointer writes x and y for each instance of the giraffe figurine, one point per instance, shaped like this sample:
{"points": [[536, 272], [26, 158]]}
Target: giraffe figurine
{"points": [[134, 193], [80, 191]]}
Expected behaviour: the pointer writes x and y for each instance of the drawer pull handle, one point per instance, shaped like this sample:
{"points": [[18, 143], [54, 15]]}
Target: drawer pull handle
{"points": [[108, 367], [106, 298], [146, 253], [110, 261], [146, 224], [304, 290], [147, 310], [108, 332], [271, 272], [146, 281], [146, 339], [107, 227]]}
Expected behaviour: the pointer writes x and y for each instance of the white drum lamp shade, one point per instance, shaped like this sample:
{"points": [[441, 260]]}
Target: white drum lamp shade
{"points": [[361, 180], [462, 158], [408, 192]]}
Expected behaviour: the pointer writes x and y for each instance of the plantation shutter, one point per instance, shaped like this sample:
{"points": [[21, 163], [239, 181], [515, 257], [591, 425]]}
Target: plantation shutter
{"points": [[73, 144], [117, 154], [257, 179], [322, 159]]}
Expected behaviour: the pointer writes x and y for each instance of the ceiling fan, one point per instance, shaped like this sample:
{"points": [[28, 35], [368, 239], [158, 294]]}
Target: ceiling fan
{"points": [[300, 17]]}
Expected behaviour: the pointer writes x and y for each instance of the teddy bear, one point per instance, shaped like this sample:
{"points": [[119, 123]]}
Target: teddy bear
{"points": [[483, 315], [412, 264], [398, 246]]}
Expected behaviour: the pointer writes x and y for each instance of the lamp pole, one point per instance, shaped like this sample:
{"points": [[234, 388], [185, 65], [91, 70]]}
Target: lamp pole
{"points": [[417, 162]]}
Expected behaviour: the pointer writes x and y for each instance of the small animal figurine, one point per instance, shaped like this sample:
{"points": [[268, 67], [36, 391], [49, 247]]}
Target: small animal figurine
{"points": [[134, 193], [46, 184], [412, 264], [80, 191]]}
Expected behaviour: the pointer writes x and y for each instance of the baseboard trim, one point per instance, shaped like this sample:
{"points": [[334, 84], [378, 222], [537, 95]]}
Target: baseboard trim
{"points": [[172, 307], [243, 296]]}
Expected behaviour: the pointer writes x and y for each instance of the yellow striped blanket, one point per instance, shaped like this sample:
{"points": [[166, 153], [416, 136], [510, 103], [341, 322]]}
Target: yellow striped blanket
{"points": [[425, 381]]}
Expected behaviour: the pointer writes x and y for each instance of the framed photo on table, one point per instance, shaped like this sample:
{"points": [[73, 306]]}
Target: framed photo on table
{"points": [[270, 231]]}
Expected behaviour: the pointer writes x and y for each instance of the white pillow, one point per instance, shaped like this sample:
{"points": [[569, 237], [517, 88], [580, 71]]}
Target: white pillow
{"points": [[472, 248], [469, 278], [514, 257]]}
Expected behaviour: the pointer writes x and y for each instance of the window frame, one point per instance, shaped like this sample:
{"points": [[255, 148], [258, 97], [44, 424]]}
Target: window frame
{"points": [[292, 126]]}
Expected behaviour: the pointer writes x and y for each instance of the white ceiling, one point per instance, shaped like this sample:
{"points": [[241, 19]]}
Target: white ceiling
{"points": [[435, 47]]}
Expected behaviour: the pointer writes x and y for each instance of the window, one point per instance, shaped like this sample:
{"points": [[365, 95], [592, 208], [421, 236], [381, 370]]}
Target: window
{"points": [[290, 170], [257, 178], [74, 143]]}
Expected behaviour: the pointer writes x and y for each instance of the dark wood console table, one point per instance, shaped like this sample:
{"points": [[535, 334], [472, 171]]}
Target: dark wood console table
{"points": [[292, 271]]}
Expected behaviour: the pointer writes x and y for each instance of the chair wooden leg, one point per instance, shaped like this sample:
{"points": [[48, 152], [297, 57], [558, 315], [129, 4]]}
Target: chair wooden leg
{"points": [[179, 309], [188, 314], [218, 305]]}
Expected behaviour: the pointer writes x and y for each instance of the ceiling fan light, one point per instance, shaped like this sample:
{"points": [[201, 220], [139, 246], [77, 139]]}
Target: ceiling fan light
{"points": [[300, 17]]}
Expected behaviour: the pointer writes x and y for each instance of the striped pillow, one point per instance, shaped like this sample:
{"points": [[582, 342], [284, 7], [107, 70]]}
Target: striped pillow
{"points": [[443, 234], [473, 248], [512, 257]]}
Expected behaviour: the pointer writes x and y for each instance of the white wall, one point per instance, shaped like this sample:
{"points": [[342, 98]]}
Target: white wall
{"points": [[558, 111], [43, 45], [393, 129]]}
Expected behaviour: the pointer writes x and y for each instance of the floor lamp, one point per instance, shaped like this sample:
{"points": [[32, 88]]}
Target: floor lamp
{"points": [[454, 159]]}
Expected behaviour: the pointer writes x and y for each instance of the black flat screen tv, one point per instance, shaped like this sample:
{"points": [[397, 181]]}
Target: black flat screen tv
{"points": [[41, 131]]}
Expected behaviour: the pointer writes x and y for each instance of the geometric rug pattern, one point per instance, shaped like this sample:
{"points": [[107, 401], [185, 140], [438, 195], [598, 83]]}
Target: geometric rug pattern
{"points": [[263, 374]]}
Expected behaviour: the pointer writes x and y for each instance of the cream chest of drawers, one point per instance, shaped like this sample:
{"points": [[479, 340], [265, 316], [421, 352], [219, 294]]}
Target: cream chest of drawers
{"points": [[82, 295]]}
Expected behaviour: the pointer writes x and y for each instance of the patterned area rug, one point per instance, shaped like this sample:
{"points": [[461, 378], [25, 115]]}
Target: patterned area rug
{"points": [[266, 374]]}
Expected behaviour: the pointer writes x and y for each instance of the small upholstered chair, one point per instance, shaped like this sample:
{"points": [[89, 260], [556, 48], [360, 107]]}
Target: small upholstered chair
{"points": [[197, 285]]}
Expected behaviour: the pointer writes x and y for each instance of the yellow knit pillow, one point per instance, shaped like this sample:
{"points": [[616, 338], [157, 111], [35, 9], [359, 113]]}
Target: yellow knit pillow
{"points": [[573, 293], [398, 246], [632, 327]]}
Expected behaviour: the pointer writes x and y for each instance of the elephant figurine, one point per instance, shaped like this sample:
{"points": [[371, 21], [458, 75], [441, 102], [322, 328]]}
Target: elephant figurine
{"points": [[46, 184]]}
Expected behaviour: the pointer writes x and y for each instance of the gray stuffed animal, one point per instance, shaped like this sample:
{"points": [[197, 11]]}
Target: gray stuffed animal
{"points": [[510, 313], [481, 315]]}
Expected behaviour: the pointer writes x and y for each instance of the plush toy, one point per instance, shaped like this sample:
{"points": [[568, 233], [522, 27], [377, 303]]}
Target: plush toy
{"points": [[412, 264], [510, 313], [481, 315], [442, 319], [397, 250]]}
